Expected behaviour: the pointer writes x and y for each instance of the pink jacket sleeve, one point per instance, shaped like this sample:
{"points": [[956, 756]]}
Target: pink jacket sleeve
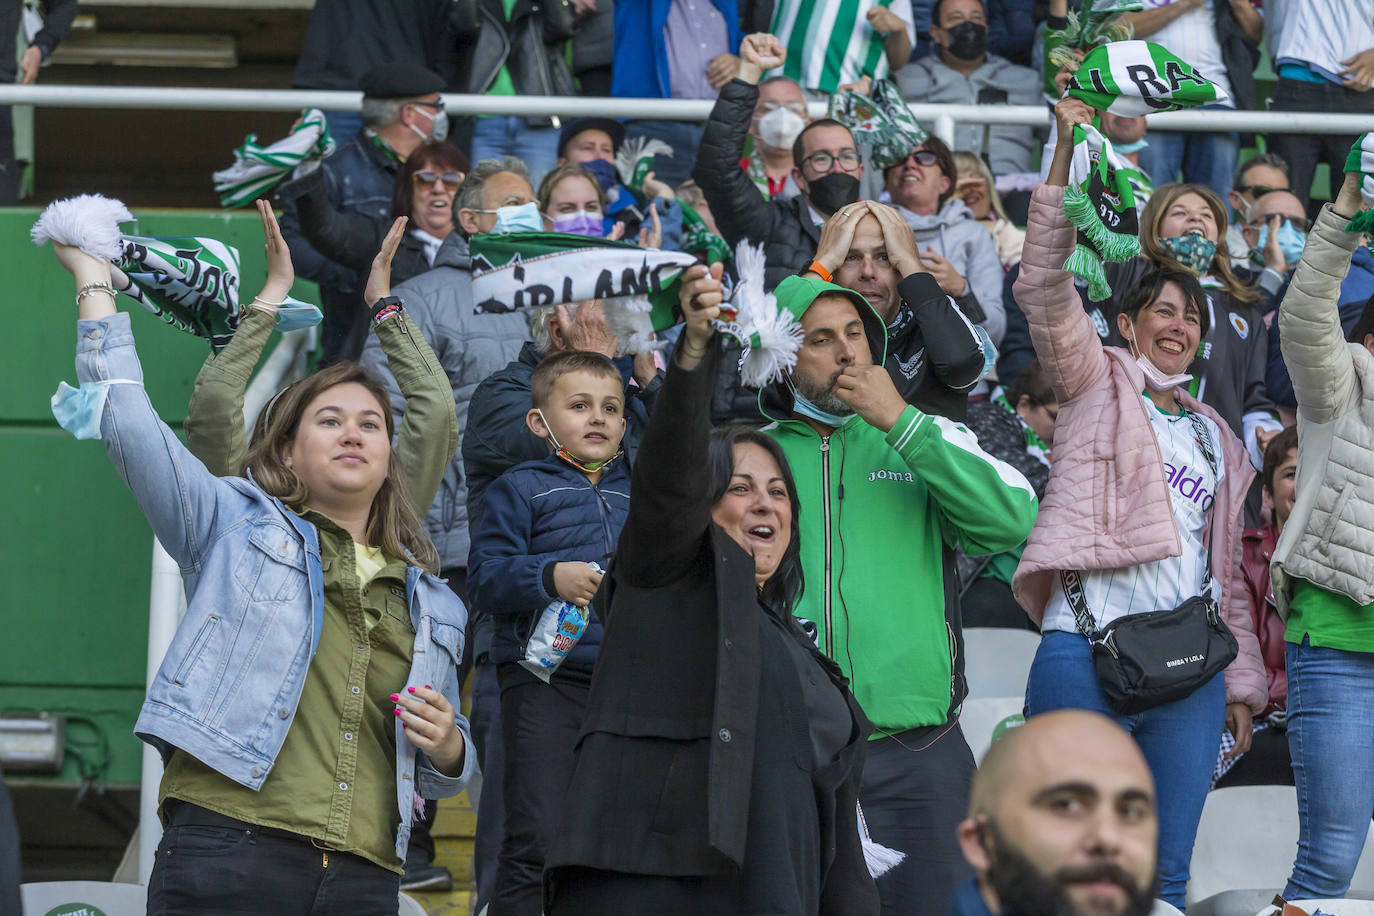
{"points": [[1063, 335]]}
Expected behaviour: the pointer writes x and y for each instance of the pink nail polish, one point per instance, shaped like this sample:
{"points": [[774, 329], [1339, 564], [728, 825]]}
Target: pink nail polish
{"points": [[397, 711], [395, 697], [427, 687], [411, 689]]}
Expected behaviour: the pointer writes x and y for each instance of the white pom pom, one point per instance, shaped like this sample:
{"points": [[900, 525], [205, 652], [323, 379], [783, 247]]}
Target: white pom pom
{"points": [[629, 319], [89, 222], [758, 316], [634, 149], [880, 859]]}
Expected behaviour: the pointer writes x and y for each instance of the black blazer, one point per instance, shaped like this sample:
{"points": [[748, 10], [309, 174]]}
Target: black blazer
{"points": [[680, 661]]}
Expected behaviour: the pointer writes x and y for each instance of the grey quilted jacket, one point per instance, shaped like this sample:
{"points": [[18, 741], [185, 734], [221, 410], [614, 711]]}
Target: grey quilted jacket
{"points": [[470, 346], [1326, 540]]}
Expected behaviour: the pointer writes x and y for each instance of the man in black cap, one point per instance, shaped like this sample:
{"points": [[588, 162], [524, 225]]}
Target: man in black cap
{"points": [[401, 110], [593, 143]]}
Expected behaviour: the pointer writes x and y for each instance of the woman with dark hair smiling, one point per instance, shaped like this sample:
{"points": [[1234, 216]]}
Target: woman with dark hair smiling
{"points": [[426, 184], [719, 763]]}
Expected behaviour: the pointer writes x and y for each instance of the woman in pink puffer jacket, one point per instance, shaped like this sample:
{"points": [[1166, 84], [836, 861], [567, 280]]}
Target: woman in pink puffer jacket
{"points": [[1134, 510]]}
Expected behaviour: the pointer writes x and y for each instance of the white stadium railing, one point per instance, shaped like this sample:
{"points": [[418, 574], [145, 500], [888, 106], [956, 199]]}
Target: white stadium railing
{"points": [[941, 118]]}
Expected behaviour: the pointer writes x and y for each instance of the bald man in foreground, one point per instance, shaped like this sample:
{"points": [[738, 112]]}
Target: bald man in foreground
{"points": [[1061, 823]]}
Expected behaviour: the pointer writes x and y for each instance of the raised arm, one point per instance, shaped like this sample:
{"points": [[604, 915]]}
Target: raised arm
{"points": [[214, 416], [740, 210], [670, 508], [1063, 335], [178, 496], [427, 435], [1314, 347]]}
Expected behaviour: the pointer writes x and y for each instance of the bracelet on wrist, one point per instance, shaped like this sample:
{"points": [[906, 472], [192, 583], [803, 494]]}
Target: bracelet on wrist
{"points": [[385, 308], [819, 270], [258, 300], [97, 287]]}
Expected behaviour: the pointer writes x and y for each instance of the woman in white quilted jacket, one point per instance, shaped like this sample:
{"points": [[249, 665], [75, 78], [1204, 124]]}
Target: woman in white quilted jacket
{"points": [[1323, 566]]}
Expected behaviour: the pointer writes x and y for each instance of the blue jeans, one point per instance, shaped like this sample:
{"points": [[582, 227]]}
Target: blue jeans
{"points": [[1206, 159], [1180, 741], [508, 135], [1331, 736], [683, 136]]}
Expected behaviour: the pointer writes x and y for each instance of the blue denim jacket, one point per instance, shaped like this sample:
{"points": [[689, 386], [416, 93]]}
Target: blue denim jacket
{"points": [[227, 690]]}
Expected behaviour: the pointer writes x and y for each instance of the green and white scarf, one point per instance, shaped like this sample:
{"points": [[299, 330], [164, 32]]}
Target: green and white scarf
{"points": [[1127, 78], [635, 159], [1096, 22], [637, 287], [881, 123], [697, 237], [1133, 78], [1361, 159], [191, 283], [257, 169]]}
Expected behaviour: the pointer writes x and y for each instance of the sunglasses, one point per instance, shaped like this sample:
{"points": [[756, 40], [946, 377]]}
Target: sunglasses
{"points": [[920, 157], [1256, 191], [450, 179]]}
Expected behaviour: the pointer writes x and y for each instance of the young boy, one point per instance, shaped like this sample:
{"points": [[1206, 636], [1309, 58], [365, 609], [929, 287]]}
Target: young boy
{"points": [[543, 522]]}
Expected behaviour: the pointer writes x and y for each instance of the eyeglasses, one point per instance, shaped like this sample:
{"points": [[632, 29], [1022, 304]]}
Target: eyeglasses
{"points": [[920, 157], [450, 179], [435, 105], [1256, 191], [821, 162]]}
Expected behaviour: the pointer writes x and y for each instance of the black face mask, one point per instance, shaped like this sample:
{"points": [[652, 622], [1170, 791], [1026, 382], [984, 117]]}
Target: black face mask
{"points": [[833, 191], [968, 40]]}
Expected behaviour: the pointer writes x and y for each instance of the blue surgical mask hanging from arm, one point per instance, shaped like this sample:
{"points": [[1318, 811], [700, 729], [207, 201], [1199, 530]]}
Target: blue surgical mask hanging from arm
{"points": [[80, 410]]}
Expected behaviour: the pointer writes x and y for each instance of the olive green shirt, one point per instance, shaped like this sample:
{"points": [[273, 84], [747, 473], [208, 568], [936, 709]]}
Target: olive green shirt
{"points": [[335, 777]]}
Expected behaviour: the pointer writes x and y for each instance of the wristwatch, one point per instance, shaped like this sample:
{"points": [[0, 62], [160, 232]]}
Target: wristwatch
{"points": [[386, 307]]}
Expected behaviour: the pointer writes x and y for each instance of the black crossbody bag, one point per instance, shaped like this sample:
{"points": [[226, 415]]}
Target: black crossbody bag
{"points": [[1147, 660]]}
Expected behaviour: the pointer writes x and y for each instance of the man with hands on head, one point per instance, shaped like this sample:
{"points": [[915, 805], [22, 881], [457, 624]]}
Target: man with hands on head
{"points": [[884, 488], [827, 168], [934, 354]]}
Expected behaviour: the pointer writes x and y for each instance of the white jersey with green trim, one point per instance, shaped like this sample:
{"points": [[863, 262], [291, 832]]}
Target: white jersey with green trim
{"points": [[1166, 583], [830, 43]]}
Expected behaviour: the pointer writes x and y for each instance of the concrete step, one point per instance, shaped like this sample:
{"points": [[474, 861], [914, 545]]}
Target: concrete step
{"points": [[448, 903]]}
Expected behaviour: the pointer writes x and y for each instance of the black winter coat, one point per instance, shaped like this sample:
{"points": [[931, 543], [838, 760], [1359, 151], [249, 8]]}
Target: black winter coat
{"points": [[665, 767], [530, 45], [783, 227]]}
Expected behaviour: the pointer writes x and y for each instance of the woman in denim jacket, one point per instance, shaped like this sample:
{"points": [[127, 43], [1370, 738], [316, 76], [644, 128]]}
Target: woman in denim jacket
{"points": [[309, 696]]}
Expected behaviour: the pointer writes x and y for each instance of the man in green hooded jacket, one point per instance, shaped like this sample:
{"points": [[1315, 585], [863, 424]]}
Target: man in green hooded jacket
{"points": [[883, 488]]}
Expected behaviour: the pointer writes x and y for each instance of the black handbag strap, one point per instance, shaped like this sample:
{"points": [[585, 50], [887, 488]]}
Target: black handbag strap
{"points": [[1072, 581]]}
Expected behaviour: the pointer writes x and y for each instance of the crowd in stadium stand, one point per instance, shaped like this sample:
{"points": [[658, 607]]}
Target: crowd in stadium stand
{"points": [[1100, 382]]}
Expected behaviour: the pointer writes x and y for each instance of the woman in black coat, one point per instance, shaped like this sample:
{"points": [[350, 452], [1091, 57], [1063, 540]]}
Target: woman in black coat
{"points": [[719, 762]]}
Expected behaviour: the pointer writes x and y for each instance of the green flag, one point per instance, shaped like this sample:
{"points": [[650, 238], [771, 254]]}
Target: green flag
{"points": [[1132, 78], [257, 169], [638, 287]]}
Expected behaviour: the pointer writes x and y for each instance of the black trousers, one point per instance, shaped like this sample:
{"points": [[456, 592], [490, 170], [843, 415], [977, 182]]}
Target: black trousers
{"points": [[10, 13], [915, 793], [539, 726], [211, 864], [1303, 152], [9, 853]]}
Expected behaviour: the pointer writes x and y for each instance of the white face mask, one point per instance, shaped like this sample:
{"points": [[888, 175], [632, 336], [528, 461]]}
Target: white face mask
{"points": [[1156, 380], [779, 128], [438, 130]]}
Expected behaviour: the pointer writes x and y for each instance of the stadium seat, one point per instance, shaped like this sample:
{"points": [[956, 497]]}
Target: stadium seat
{"points": [[979, 718], [997, 661], [1244, 852]]}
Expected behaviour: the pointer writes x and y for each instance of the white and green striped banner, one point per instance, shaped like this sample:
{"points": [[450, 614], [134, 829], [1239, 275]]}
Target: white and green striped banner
{"points": [[192, 283], [829, 42], [1133, 78]]}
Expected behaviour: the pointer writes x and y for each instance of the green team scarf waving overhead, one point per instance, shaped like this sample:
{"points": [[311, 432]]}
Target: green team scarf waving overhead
{"points": [[1101, 204], [1361, 159], [698, 237], [1132, 78], [257, 169], [191, 283], [1096, 22], [637, 287], [880, 122]]}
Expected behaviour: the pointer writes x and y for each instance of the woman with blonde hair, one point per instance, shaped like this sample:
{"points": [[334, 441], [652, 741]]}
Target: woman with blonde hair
{"points": [[309, 697], [977, 189]]}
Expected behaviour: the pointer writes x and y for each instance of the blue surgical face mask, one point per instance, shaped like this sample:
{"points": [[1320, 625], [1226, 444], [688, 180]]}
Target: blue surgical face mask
{"points": [[293, 314], [803, 406], [1291, 242], [80, 410], [518, 218], [605, 173], [1126, 149], [580, 222]]}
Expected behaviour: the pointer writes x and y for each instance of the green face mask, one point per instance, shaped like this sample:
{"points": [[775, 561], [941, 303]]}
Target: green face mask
{"points": [[1194, 251]]}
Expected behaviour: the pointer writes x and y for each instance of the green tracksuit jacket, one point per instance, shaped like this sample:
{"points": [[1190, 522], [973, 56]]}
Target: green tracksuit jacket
{"points": [[875, 508]]}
